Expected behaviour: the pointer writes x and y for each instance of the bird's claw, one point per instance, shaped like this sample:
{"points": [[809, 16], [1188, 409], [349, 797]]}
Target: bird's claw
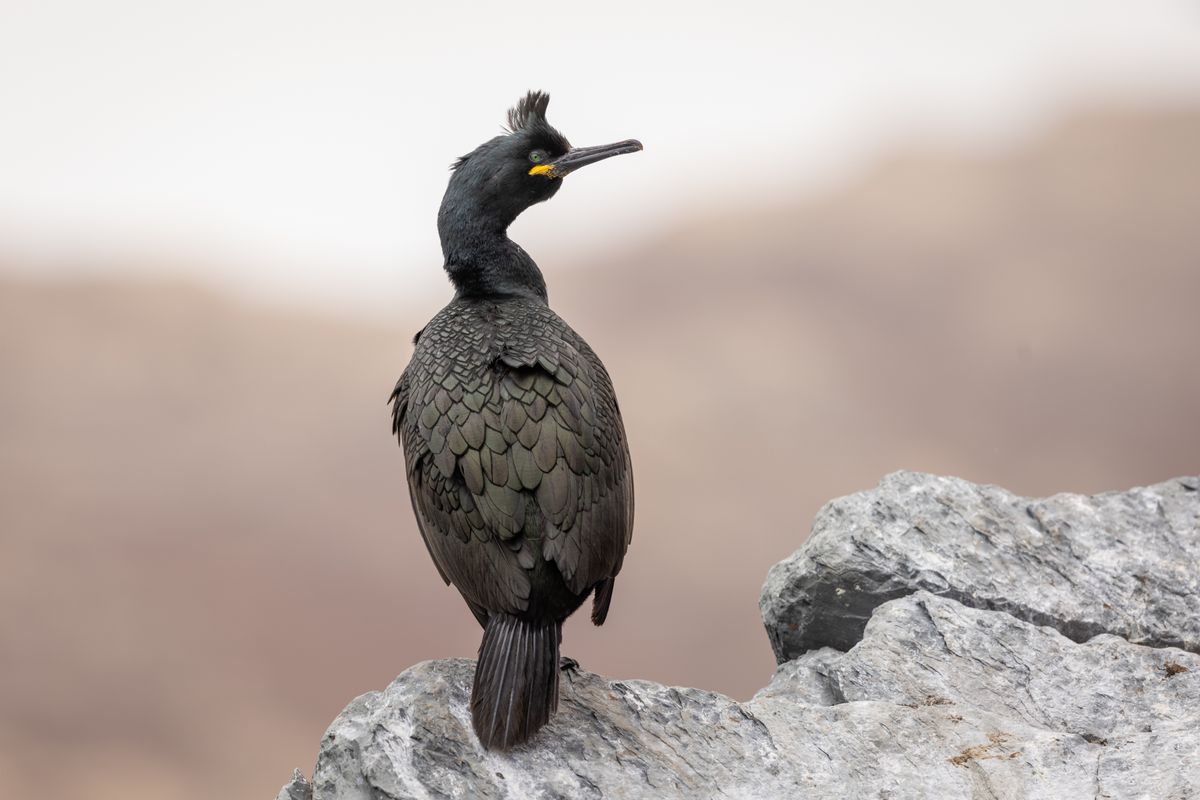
{"points": [[568, 664]]}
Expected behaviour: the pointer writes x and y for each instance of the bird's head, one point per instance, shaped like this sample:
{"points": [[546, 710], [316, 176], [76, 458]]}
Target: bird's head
{"points": [[506, 175]]}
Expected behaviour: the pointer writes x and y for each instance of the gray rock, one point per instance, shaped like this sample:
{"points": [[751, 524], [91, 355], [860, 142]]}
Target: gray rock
{"points": [[1164, 764], [633, 739], [1125, 563], [927, 650], [963, 677], [937, 700], [1132, 710], [296, 789], [609, 738]]}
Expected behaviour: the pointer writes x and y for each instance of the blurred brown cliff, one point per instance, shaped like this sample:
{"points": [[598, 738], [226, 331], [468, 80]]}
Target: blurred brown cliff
{"points": [[206, 547]]}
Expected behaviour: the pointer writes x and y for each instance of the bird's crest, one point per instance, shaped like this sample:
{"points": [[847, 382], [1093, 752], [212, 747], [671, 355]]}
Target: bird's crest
{"points": [[528, 116], [529, 112]]}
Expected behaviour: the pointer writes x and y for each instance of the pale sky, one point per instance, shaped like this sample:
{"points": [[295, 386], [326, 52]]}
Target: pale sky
{"points": [[300, 150]]}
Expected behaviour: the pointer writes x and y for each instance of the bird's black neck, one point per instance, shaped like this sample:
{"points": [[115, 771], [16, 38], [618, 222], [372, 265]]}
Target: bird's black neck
{"points": [[480, 258]]}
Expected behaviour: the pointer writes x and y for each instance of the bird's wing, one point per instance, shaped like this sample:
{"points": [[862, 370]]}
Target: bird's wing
{"points": [[447, 513], [537, 441], [399, 401], [563, 413]]}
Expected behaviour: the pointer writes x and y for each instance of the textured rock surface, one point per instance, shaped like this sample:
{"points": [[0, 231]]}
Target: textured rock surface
{"points": [[948, 694], [296, 789], [930, 650], [1126, 563]]}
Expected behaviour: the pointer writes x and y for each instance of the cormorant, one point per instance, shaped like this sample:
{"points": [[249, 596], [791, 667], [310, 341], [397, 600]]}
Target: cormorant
{"points": [[515, 451]]}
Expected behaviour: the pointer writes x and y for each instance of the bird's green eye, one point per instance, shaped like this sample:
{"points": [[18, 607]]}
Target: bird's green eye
{"points": [[537, 156]]}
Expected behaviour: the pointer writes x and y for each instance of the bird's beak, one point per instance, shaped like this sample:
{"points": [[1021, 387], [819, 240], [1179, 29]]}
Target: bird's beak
{"points": [[578, 157]]}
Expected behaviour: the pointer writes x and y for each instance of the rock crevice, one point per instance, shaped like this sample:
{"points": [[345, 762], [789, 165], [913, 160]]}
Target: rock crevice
{"points": [[935, 638], [1125, 563]]}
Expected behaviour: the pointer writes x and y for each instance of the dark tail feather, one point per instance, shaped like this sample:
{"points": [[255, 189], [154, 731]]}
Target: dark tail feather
{"points": [[516, 680], [601, 600]]}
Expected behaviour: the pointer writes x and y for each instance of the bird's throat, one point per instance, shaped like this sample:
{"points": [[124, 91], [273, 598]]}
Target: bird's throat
{"points": [[483, 262]]}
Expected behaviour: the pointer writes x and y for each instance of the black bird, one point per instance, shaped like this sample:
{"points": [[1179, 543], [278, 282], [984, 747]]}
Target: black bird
{"points": [[515, 451]]}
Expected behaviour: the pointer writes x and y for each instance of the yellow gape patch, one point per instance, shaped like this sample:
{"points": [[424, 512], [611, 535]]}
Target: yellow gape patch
{"points": [[542, 169]]}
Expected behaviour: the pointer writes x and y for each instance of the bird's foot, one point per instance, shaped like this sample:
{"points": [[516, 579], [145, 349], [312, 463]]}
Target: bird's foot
{"points": [[568, 664]]}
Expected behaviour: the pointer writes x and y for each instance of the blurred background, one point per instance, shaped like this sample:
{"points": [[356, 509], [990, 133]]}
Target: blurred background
{"points": [[941, 236]]}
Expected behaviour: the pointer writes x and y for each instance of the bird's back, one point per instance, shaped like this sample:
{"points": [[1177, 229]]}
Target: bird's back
{"points": [[516, 457]]}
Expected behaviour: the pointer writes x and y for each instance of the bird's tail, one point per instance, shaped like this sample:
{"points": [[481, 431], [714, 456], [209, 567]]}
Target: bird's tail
{"points": [[516, 680]]}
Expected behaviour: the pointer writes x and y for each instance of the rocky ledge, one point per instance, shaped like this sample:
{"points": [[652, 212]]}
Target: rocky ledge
{"points": [[935, 638]]}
